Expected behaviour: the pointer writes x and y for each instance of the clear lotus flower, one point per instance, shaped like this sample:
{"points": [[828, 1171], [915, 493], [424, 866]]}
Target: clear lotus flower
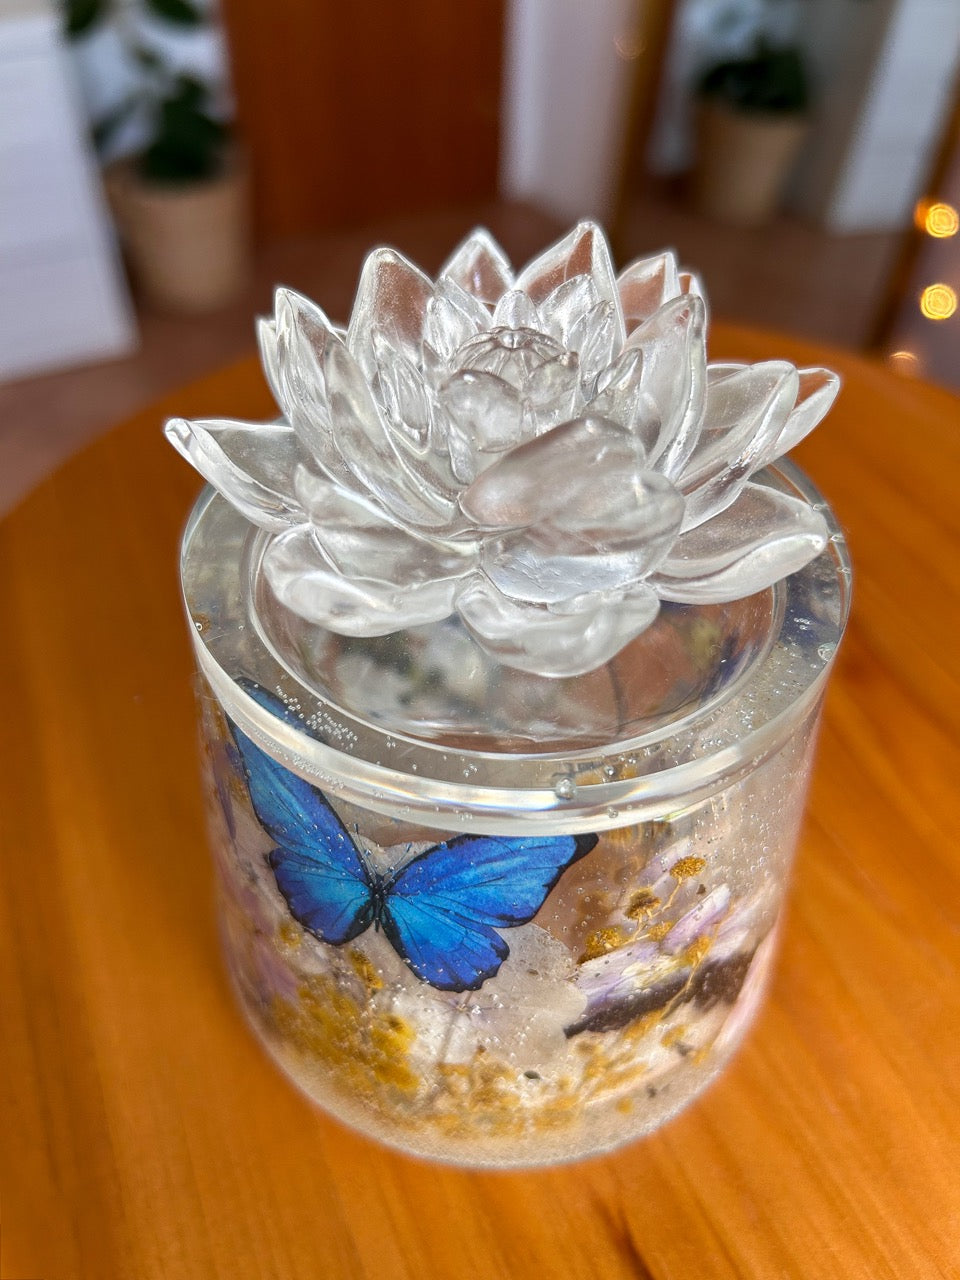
{"points": [[548, 455]]}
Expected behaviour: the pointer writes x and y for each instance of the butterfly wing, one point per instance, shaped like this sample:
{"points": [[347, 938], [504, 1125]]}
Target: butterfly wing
{"points": [[317, 866], [440, 909]]}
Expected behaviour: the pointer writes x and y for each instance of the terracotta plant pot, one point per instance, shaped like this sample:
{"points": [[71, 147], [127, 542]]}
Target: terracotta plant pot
{"points": [[743, 161], [187, 245]]}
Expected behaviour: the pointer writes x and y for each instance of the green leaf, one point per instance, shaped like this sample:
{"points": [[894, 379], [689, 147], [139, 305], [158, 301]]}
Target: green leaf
{"points": [[148, 58], [81, 15], [183, 12], [188, 144], [106, 127]]}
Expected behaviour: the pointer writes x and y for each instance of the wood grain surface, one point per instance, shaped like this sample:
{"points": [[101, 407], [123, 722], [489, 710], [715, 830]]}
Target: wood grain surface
{"points": [[145, 1134], [353, 113]]}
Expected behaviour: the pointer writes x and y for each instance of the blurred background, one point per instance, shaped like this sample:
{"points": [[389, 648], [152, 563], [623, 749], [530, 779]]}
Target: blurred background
{"points": [[165, 163]]}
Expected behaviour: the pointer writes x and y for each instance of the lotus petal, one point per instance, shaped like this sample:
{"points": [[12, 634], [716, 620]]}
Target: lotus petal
{"points": [[818, 390], [303, 332], [547, 642], [267, 342], [480, 267], [453, 317], [584, 251], [761, 538], [621, 397], [516, 311], [303, 581], [745, 413], [411, 413], [485, 417], [647, 285], [673, 346], [567, 304], [392, 297], [368, 450], [250, 463], [594, 337], [402, 397], [609, 535], [690, 284], [547, 475], [360, 542], [549, 564]]}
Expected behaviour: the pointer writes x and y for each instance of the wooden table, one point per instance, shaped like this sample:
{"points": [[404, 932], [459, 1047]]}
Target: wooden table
{"points": [[144, 1133]]}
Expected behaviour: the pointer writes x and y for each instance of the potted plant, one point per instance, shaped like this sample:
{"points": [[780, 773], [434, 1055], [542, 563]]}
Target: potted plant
{"points": [[180, 197], [751, 120]]}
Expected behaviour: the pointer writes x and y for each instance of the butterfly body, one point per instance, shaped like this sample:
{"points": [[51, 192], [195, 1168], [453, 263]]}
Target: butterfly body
{"points": [[440, 910]]}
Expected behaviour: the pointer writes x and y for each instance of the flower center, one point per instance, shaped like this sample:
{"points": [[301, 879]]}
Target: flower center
{"points": [[515, 355]]}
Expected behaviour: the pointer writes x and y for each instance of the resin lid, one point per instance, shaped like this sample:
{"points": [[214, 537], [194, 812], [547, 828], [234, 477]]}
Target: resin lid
{"points": [[545, 456], [427, 723]]}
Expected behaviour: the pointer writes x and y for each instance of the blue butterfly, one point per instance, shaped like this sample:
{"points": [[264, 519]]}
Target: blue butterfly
{"points": [[440, 910]]}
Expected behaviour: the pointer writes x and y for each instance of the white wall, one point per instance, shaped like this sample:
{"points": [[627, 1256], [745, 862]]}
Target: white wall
{"points": [[566, 92], [62, 295], [902, 113]]}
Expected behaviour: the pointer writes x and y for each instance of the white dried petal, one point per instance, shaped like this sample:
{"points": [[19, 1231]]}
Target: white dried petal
{"points": [[693, 924]]}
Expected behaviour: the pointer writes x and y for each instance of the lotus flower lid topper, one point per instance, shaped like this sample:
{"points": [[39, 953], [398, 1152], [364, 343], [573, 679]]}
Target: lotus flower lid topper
{"points": [[548, 455]]}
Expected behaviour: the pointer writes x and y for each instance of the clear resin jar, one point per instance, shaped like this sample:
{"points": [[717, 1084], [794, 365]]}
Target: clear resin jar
{"points": [[490, 917]]}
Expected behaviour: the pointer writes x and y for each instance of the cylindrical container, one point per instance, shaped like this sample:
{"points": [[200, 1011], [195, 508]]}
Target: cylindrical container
{"points": [[489, 917]]}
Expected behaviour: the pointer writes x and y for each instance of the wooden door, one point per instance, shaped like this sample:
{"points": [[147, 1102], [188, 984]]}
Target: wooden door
{"points": [[357, 110]]}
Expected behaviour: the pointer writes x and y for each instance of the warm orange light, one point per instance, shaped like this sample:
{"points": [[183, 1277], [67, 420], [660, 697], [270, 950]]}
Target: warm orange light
{"points": [[941, 220], [629, 46], [905, 362], [938, 301]]}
